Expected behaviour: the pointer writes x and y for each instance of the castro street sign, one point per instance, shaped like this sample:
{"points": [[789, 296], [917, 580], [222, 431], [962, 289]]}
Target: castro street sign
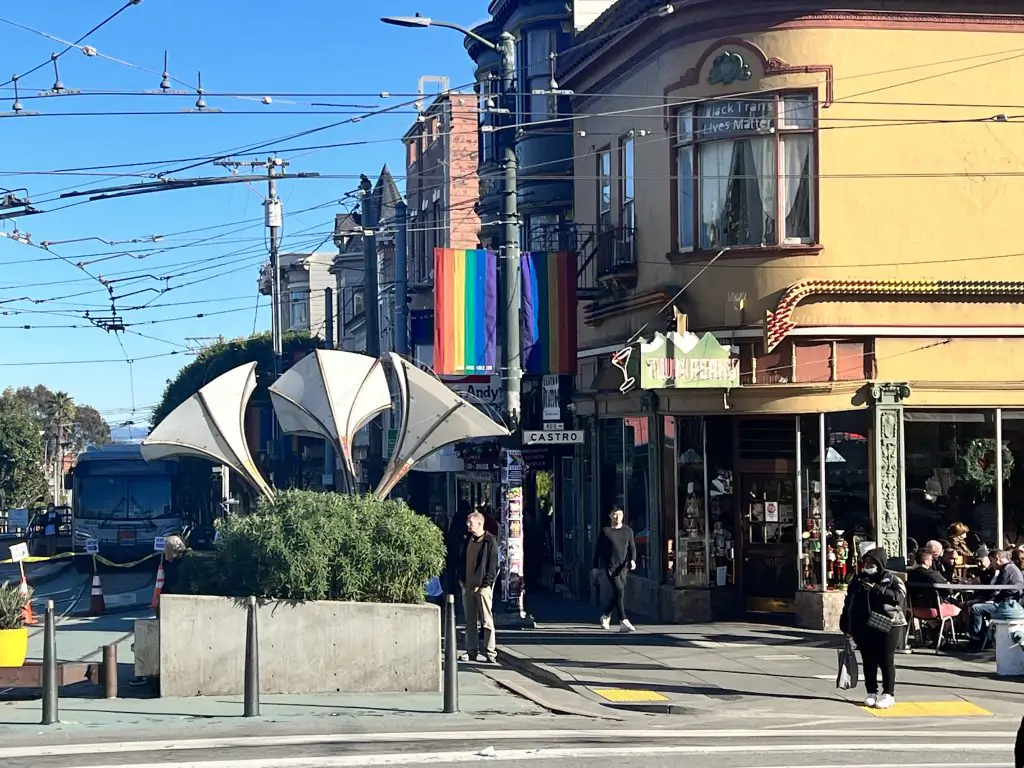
{"points": [[677, 361]]}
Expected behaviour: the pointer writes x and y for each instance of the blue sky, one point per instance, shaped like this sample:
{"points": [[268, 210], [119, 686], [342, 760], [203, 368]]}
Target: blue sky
{"points": [[250, 47]]}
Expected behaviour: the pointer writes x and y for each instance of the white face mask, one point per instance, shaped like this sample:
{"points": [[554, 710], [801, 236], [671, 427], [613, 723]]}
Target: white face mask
{"points": [[871, 570]]}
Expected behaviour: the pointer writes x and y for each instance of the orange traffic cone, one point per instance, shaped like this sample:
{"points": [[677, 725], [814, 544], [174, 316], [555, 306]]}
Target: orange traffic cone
{"points": [[159, 585], [26, 612], [97, 605]]}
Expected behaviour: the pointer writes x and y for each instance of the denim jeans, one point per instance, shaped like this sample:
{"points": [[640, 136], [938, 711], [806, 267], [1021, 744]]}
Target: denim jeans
{"points": [[978, 613]]}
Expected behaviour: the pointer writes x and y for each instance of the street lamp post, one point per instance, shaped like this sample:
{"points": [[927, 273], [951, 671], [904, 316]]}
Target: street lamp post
{"points": [[512, 300], [513, 303]]}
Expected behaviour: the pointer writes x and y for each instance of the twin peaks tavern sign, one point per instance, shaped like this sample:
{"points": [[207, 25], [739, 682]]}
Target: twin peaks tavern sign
{"points": [[677, 360]]}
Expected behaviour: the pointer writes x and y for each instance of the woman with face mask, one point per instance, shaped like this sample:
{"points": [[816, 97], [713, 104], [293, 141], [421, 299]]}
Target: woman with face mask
{"points": [[873, 615]]}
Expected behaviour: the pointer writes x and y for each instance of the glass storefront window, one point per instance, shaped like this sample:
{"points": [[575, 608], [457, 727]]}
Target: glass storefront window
{"points": [[636, 442], [848, 487], [846, 520], [692, 547], [610, 470], [811, 523], [944, 484], [1013, 480], [668, 500], [718, 443]]}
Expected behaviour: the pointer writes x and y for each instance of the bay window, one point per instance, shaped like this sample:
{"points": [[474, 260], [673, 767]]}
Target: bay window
{"points": [[744, 172], [534, 54]]}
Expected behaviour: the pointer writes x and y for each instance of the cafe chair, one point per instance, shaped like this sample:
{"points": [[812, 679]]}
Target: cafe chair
{"points": [[934, 611]]}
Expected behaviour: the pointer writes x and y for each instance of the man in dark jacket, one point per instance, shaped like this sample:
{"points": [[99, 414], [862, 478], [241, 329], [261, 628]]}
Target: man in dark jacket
{"points": [[478, 570]]}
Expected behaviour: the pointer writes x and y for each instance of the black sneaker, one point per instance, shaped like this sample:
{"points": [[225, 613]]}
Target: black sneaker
{"points": [[467, 657]]}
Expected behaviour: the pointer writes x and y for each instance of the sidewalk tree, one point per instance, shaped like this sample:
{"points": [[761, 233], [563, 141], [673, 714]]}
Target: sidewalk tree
{"points": [[305, 545], [221, 357], [21, 455], [214, 361], [61, 419]]}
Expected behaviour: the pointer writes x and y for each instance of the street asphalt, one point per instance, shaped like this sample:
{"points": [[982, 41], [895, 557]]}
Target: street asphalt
{"points": [[582, 746]]}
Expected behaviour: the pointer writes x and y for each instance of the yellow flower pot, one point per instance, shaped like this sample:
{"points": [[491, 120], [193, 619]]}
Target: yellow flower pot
{"points": [[13, 647]]}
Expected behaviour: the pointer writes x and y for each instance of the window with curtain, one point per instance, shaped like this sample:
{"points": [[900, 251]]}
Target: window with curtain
{"points": [[604, 188], [627, 155], [744, 172], [610, 470], [299, 305]]}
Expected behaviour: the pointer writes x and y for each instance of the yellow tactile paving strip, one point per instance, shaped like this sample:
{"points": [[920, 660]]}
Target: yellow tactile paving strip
{"points": [[628, 695], [931, 709]]}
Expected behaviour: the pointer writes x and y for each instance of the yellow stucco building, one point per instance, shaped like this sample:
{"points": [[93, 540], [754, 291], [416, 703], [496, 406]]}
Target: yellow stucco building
{"points": [[834, 196]]}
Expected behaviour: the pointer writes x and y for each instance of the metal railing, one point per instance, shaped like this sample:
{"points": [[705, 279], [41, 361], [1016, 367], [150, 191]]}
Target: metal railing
{"points": [[616, 251]]}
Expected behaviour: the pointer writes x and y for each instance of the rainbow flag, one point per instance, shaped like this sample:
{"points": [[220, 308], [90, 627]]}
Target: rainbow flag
{"points": [[465, 312], [549, 313]]}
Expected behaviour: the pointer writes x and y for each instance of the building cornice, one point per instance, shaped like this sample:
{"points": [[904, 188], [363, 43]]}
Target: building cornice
{"points": [[676, 30]]}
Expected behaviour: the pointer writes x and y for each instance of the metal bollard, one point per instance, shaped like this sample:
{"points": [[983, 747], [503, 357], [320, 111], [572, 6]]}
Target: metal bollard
{"points": [[110, 671], [252, 663], [451, 659], [50, 691]]}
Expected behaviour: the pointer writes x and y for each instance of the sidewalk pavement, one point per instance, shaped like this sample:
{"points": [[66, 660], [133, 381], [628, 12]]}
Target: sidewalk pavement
{"points": [[756, 669], [479, 698]]}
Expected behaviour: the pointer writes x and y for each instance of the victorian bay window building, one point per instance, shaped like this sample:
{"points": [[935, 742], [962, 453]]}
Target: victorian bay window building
{"points": [[807, 330]]}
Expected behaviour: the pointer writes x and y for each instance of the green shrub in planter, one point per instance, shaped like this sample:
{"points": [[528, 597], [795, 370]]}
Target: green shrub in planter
{"points": [[12, 603], [304, 545]]}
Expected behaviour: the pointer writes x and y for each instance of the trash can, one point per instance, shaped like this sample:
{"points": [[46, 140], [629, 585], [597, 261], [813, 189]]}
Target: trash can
{"points": [[1008, 621]]}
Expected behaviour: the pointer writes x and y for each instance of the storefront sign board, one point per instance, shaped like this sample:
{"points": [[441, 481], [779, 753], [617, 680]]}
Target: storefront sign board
{"points": [[677, 361], [552, 437]]}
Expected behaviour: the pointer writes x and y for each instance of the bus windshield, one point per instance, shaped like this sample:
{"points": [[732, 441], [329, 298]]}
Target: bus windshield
{"points": [[119, 498]]}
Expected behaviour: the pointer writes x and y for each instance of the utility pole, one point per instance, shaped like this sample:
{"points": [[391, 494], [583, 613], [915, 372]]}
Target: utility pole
{"points": [[402, 279], [511, 261], [371, 302], [330, 462], [273, 221]]}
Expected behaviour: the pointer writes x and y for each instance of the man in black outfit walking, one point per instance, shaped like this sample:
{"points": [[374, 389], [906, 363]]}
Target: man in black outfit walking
{"points": [[615, 557]]}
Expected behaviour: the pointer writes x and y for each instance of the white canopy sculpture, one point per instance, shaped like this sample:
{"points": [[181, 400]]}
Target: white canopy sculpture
{"points": [[211, 425], [433, 416], [331, 394]]}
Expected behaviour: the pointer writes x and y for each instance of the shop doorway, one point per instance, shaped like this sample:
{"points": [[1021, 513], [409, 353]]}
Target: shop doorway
{"points": [[768, 521]]}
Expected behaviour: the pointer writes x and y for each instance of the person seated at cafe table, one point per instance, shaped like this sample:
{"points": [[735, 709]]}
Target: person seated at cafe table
{"points": [[1006, 573], [921, 581], [1017, 556], [948, 565], [981, 571], [957, 535]]}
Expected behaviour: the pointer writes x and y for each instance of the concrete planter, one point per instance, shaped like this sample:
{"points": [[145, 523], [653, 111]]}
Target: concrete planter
{"points": [[314, 647], [819, 610]]}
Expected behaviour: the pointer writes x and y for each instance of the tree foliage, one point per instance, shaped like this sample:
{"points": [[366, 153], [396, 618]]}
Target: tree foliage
{"points": [[304, 545], [21, 454], [220, 358], [62, 420]]}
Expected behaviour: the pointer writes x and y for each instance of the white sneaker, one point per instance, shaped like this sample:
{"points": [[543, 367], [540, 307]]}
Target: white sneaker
{"points": [[626, 626], [606, 622], [871, 700], [886, 701]]}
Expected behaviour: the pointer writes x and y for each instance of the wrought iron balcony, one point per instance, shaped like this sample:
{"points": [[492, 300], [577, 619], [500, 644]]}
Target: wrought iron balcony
{"points": [[615, 255]]}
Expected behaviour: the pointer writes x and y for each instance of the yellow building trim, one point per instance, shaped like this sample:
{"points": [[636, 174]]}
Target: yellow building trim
{"points": [[778, 324]]}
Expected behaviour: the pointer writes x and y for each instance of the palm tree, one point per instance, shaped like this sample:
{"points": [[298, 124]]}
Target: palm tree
{"points": [[60, 418]]}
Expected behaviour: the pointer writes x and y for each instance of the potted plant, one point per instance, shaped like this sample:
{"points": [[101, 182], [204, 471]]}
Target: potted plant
{"points": [[13, 632]]}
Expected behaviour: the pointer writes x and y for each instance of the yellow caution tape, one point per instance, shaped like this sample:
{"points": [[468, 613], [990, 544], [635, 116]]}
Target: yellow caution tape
{"points": [[39, 559], [99, 558], [106, 562]]}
